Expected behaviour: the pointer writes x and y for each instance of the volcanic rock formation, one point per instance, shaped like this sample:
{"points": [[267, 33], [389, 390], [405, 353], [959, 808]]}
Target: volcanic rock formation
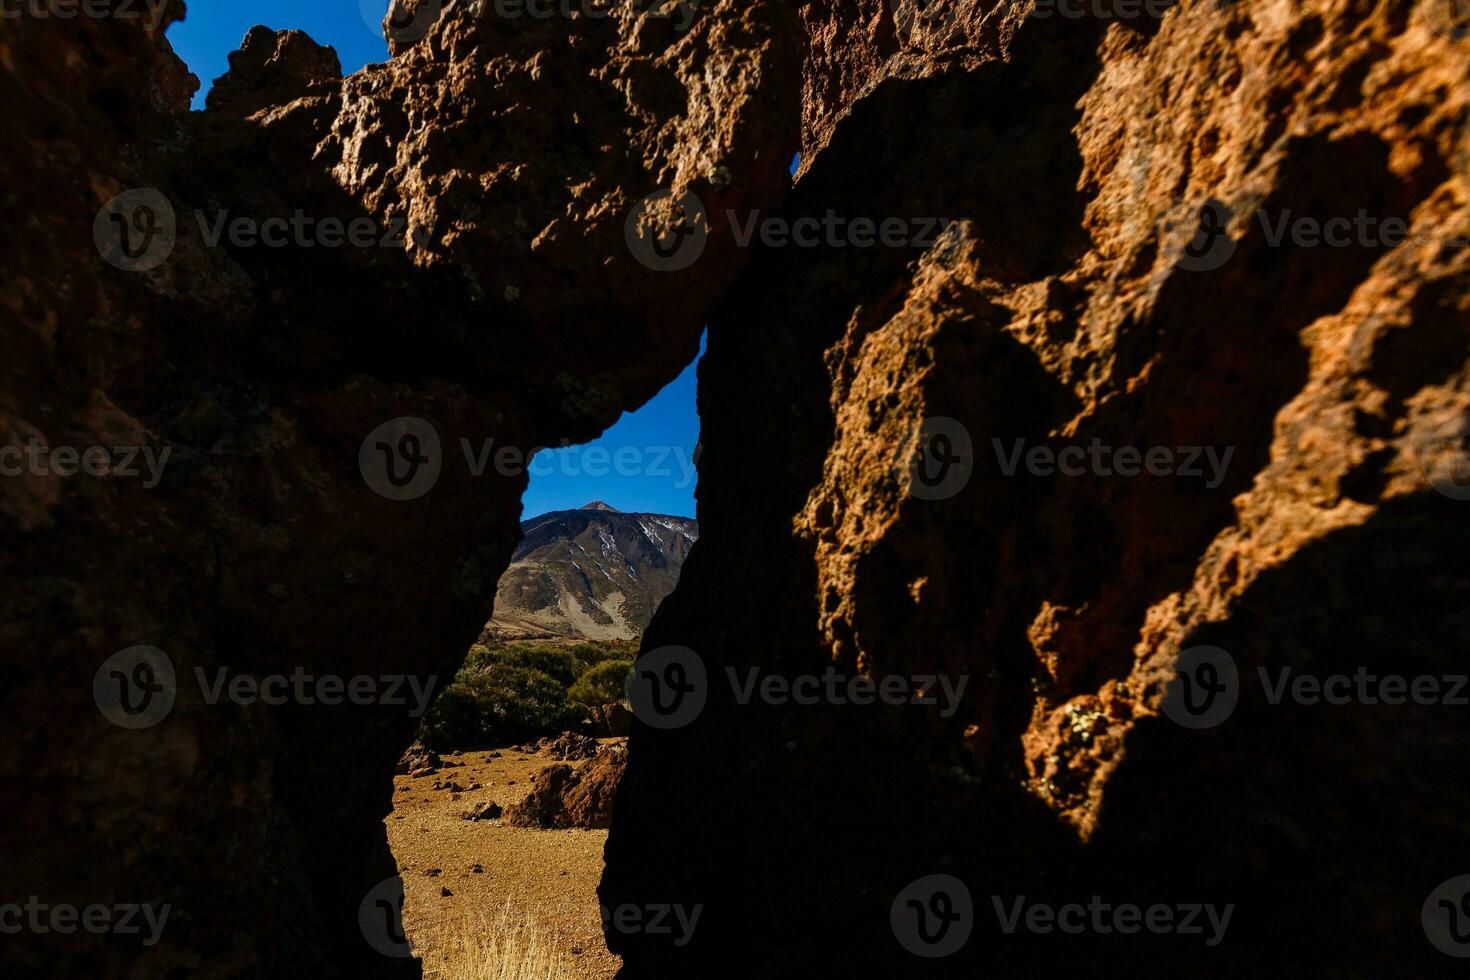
{"points": [[1112, 275], [1122, 265], [565, 796], [192, 284]]}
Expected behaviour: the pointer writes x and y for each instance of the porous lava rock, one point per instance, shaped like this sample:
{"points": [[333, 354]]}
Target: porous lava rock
{"points": [[187, 287], [565, 796], [1113, 275]]}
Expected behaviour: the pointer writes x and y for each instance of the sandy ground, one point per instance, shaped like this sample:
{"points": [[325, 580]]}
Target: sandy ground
{"points": [[551, 874]]}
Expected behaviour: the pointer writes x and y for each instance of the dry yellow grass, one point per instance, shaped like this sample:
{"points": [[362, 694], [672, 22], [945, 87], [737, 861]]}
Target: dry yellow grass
{"points": [[513, 944]]}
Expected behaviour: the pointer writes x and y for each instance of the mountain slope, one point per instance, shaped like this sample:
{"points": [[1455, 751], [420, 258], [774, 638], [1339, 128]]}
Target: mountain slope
{"points": [[593, 573]]}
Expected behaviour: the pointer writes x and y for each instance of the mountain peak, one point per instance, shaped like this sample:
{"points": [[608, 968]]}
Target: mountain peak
{"points": [[595, 579]]}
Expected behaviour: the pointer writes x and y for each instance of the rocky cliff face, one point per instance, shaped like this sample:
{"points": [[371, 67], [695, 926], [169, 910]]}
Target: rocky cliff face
{"points": [[593, 573], [914, 466], [1114, 277], [311, 307]]}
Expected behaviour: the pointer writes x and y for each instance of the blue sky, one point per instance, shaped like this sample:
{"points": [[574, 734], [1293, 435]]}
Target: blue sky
{"points": [[642, 463], [214, 28], [655, 472]]}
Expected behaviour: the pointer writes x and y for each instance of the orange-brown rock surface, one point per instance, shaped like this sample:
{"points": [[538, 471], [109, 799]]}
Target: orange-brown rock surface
{"points": [[1076, 299], [220, 319], [564, 796]]}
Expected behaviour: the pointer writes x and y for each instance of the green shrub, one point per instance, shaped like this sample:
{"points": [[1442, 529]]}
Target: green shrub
{"points": [[481, 656], [554, 661], [515, 691], [497, 704], [595, 653], [601, 683], [557, 662]]}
